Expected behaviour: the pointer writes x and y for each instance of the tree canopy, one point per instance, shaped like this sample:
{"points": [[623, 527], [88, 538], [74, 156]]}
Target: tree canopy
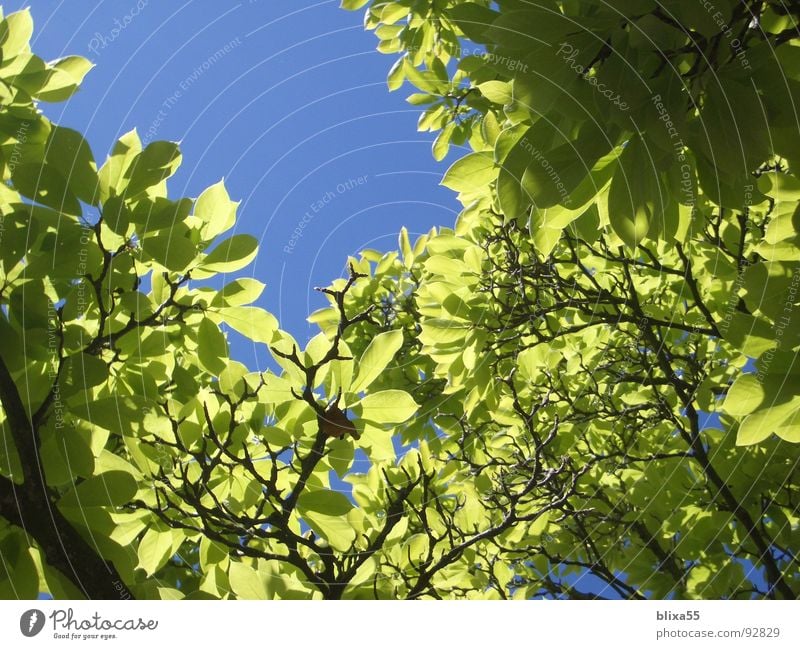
{"points": [[586, 387]]}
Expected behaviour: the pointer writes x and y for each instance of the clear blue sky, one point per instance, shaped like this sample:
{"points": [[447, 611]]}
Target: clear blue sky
{"points": [[295, 109]]}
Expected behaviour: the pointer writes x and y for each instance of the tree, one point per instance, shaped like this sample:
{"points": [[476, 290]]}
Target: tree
{"points": [[623, 274], [589, 375]]}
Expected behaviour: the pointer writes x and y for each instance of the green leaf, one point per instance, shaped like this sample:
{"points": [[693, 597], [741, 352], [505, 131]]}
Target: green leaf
{"points": [[66, 455], [392, 12], [425, 80], [441, 145], [15, 33], [161, 214], [212, 348], [112, 488], [340, 455], [788, 250], [471, 173], [550, 85], [636, 198], [44, 183], [387, 407], [247, 582], [217, 211], [789, 429], [18, 575], [703, 22], [744, 396], [172, 248], [238, 292], [157, 162], [252, 322], [769, 401], [155, 549], [118, 413], [212, 553], [539, 525], [113, 173], [551, 176], [376, 442], [68, 152], [783, 187], [230, 255], [498, 92], [375, 358], [731, 132], [63, 78], [326, 513], [415, 549], [28, 73], [352, 5], [396, 75], [473, 19], [404, 244], [116, 215], [781, 419], [749, 334], [535, 361], [529, 26]]}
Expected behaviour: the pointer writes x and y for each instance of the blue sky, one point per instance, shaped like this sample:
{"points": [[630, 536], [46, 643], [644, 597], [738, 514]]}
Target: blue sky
{"points": [[295, 114]]}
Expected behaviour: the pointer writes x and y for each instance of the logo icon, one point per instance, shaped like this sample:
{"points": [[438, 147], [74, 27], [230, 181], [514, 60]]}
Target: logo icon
{"points": [[31, 622]]}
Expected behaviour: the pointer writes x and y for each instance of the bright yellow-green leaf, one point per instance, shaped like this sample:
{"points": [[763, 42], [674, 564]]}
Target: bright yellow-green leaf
{"points": [[352, 5], [248, 582], [471, 173], [239, 292], [252, 322], [377, 443], [230, 255], [64, 78], [113, 172], [215, 208], [744, 396], [155, 549], [15, 33], [375, 358], [387, 407], [326, 513], [108, 489], [157, 162], [212, 348]]}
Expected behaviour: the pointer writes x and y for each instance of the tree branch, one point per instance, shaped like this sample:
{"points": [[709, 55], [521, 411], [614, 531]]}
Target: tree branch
{"points": [[32, 507]]}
